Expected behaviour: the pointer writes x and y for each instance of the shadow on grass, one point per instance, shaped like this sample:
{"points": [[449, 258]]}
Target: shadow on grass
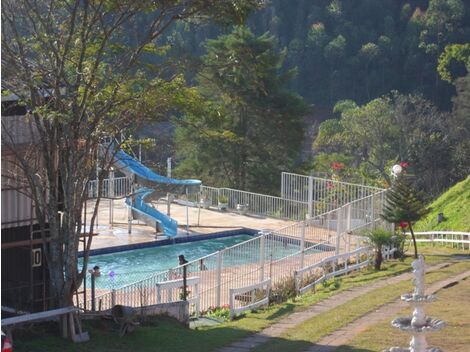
{"points": [[461, 256], [285, 345], [157, 334], [287, 309]]}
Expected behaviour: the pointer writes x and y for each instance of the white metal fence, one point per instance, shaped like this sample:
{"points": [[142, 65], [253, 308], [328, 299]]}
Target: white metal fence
{"points": [[453, 238], [274, 255], [249, 297], [302, 196], [118, 187], [259, 204], [311, 275], [321, 194]]}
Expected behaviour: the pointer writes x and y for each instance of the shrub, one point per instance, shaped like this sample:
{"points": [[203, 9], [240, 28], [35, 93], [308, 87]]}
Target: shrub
{"points": [[218, 312], [283, 290]]}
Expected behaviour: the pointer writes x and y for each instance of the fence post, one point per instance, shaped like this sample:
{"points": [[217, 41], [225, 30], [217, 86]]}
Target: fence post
{"points": [[261, 257], [93, 304], [185, 285], [348, 226], [302, 245], [111, 196], [219, 277], [310, 197], [372, 214], [338, 229], [113, 297]]}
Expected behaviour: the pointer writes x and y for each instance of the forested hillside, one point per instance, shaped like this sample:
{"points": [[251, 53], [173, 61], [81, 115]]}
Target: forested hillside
{"points": [[381, 80], [358, 49]]}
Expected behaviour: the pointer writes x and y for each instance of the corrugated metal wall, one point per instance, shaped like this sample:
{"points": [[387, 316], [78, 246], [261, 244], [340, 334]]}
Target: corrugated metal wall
{"points": [[19, 128], [16, 209]]}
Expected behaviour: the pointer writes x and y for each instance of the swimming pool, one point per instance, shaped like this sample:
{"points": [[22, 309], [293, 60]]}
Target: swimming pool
{"points": [[121, 268], [126, 267]]}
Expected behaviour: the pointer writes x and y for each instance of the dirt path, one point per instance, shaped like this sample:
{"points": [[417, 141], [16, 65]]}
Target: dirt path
{"points": [[342, 336], [289, 322]]}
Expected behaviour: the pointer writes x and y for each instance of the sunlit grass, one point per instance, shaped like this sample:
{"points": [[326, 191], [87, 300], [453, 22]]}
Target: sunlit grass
{"points": [[451, 306], [312, 330]]}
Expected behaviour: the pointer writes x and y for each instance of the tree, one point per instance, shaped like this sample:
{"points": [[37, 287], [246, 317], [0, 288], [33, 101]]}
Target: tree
{"points": [[403, 203], [424, 141], [388, 130], [367, 134], [251, 128], [460, 129], [86, 71], [453, 53], [379, 238], [443, 19], [459, 121]]}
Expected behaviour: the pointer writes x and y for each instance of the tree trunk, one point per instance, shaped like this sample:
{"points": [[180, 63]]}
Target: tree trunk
{"points": [[414, 240], [378, 258]]}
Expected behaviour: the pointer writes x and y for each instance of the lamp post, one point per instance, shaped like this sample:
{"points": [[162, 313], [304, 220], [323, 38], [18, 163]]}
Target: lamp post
{"points": [[396, 170]]}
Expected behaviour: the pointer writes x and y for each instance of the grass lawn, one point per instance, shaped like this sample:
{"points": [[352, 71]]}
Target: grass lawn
{"points": [[304, 334], [451, 306], [455, 205], [167, 335]]}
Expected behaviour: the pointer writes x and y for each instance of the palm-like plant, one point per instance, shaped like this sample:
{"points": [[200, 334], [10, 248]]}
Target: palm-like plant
{"points": [[404, 204], [379, 238]]}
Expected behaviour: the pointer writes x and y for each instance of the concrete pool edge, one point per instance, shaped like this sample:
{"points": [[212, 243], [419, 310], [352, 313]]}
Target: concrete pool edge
{"points": [[170, 241]]}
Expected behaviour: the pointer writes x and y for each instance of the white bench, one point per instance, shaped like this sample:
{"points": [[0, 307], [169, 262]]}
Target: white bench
{"points": [[9, 323]]}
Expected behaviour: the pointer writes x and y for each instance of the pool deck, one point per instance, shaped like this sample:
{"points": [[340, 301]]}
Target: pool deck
{"points": [[201, 222]]}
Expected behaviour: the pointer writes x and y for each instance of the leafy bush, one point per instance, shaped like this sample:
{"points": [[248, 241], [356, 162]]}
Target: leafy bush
{"points": [[218, 312]]}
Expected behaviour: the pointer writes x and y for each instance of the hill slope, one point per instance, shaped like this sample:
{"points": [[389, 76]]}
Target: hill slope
{"points": [[455, 204]]}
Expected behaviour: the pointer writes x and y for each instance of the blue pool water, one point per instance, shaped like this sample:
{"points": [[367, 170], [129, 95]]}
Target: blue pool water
{"points": [[122, 268], [127, 267]]}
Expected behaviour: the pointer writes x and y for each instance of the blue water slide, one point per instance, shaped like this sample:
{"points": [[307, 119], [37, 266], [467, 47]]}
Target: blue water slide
{"points": [[128, 165], [155, 184], [149, 213]]}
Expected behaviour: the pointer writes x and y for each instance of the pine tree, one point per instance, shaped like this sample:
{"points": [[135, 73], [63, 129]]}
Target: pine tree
{"points": [[404, 204]]}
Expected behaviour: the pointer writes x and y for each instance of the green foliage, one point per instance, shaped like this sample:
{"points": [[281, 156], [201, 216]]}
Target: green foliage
{"points": [[454, 52], [90, 72], [404, 204], [379, 238], [222, 313], [365, 135], [250, 127], [455, 205], [223, 199], [369, 139], [460, 130]]}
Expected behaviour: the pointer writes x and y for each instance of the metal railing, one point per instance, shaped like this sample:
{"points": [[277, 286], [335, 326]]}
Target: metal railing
{"points": [[118, 187], [309, 276], [259, 204], [275, 255], [322, 194], [305, 197]]}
